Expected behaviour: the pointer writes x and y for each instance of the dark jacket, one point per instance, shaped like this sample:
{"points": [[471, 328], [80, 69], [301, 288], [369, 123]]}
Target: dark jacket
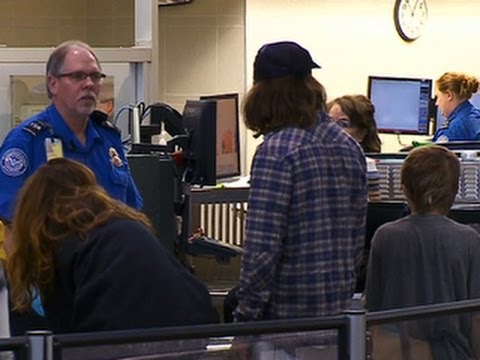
{"points": [[122, 277]]}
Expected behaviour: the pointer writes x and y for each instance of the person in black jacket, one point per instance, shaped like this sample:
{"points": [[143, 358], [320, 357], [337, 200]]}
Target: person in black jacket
{"points": [[95, 261]]}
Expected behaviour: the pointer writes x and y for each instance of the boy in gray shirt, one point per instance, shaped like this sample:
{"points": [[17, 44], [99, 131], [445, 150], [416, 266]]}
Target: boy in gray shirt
{"points": [[427, 258]]}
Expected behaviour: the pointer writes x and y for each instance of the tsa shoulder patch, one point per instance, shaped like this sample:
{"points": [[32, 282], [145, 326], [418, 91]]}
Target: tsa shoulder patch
{"points": [[36, 127], [14, 162]]}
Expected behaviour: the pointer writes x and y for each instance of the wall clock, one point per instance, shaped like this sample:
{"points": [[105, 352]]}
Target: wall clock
{"points": [[410, 17]]}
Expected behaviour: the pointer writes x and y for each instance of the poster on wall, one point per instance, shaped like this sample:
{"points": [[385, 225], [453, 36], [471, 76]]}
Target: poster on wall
{"points": [[29, 97]]}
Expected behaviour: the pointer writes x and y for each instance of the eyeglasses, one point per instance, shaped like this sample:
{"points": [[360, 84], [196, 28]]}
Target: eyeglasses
{"points": [[79, 76], [344, 123]]}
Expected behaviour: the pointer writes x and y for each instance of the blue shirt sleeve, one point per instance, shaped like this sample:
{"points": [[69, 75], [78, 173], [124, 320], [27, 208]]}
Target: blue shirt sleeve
{"points": [[465, 129], [464, 125], [16, 164]]}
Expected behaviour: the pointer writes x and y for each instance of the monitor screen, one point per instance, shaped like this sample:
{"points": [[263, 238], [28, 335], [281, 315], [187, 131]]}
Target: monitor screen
{"points": [[212, 124], [440, 119], [402, 105], [227, 135]]}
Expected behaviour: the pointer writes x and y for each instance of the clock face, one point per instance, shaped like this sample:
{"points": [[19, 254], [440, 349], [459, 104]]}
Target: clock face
{"points": [[410, 18]]}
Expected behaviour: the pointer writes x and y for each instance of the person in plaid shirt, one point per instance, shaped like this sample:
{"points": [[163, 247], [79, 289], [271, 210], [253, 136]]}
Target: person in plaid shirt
{"points": [[308, 198]]}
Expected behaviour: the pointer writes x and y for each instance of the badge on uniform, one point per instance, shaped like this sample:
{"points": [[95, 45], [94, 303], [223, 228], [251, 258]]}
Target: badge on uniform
{"points": [[14, 162], [114, 157], [53, 148]]}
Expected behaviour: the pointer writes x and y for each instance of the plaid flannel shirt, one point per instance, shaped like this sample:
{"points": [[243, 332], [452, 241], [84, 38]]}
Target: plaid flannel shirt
{"points": [[305, 224]]}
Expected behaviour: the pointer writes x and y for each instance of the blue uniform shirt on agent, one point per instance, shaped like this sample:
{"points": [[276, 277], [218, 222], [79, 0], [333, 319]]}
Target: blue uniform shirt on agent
{"points": [[24, 150], [463, 125]]}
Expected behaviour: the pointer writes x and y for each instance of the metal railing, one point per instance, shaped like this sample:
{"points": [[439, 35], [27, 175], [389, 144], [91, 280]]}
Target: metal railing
{"points": [[351, 329]]}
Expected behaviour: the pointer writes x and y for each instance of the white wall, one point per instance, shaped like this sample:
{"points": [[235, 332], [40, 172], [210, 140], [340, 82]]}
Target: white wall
{"points": [[202, 52], [124, 89], [353, 39], [6, 71]]}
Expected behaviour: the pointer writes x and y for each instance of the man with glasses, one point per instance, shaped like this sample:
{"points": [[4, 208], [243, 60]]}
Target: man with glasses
{"points": [[69, 127]]}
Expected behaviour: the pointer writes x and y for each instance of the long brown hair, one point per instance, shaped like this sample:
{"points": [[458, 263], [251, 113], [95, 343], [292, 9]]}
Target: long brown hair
{"points": [[61, 199], [361, 112], [277, 103]]}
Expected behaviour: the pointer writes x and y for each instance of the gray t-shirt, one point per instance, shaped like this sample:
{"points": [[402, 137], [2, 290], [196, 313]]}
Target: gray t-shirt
{"points": [[426, 259]]}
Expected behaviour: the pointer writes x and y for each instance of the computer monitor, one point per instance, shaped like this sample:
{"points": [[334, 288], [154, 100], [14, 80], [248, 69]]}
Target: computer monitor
{"points": [[402, 105], [440, 119], [212, 124], [228, 139]]}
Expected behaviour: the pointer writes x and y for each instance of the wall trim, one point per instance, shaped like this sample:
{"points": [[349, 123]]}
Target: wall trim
{"points": [[105, 55]]}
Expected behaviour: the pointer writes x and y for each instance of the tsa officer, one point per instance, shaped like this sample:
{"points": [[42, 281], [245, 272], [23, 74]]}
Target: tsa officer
{"points": [[453, 92], [70, 127]]}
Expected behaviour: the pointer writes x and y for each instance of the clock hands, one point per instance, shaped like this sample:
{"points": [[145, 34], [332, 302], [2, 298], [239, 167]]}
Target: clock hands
{"points": [[407, 2], [414, 7]]}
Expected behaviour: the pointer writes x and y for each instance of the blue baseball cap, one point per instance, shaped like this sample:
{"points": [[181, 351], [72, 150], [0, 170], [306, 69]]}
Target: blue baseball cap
{"points": [[281, 59]]}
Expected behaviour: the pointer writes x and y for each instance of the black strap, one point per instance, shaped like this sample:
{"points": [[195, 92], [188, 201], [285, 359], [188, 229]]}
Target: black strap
{"points": [[36, 127]]}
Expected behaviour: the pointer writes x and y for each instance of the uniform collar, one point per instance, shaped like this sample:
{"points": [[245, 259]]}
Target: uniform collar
{"points": [[461, 110], [62, 131]]}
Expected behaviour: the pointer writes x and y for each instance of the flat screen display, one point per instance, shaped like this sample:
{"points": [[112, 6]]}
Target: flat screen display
{"points": [[402, 105], [212, 125], [227, 135]]}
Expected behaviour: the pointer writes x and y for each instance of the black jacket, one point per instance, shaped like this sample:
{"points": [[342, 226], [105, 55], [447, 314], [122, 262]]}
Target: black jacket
{"points": [[122, 277]]}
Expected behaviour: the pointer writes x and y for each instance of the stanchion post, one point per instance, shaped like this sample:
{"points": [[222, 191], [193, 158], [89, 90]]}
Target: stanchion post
{"points": [[40, 345], [357, 334]]}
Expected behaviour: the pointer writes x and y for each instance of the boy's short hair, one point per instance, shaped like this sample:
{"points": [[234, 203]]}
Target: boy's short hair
{"points": [[430, 179]]}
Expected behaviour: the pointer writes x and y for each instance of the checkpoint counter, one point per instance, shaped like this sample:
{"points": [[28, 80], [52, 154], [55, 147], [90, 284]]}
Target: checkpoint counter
{"points": [[389, 167], [222, 211]]}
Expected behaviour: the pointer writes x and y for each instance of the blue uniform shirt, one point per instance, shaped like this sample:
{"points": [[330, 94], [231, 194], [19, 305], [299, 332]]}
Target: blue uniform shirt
{"points": [[23, 151], [463, 125]]}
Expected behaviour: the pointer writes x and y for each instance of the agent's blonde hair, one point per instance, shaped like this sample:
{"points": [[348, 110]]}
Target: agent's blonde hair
{"points": [[461, 85]]}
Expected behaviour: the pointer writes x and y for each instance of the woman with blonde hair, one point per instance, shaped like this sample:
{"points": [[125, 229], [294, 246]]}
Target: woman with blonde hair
{"points": [[92, 258], [453, 91]]}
